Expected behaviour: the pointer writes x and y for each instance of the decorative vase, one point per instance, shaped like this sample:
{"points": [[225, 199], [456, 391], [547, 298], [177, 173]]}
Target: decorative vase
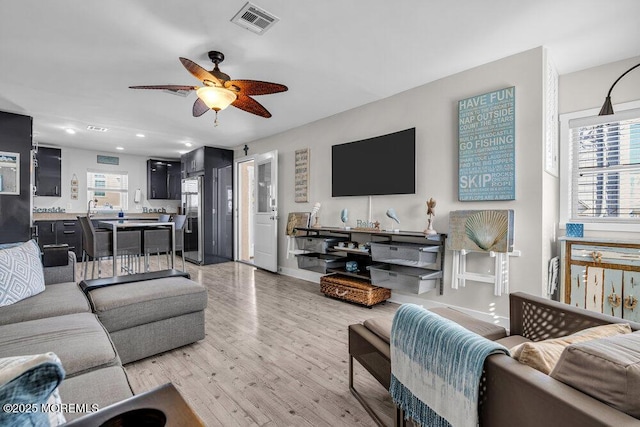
{"points": [[316, 224], [430, 231]]}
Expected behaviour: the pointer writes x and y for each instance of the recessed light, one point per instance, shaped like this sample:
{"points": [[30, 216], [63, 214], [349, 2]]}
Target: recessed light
{"points": [[119, 148], [188, 144], [70, 131], [140, 135]]}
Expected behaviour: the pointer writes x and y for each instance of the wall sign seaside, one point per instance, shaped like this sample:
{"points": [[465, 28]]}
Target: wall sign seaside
{"points": [[486, 146]]}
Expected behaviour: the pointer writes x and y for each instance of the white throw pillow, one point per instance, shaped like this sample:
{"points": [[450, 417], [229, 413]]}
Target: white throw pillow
{"points": [[21, 274]]}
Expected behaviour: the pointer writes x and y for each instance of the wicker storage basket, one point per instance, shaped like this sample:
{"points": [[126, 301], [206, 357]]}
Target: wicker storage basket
{"points": [[354, 290]]}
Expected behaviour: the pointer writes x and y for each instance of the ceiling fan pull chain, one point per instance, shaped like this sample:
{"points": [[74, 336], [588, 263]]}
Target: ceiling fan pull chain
{"points": [[215, 122]]}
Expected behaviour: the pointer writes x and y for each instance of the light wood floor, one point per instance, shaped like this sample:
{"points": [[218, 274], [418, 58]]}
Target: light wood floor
{"points": [[275, 354]]}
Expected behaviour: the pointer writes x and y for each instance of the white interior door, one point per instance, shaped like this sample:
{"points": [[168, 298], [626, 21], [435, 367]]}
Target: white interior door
{"points": [[266, 211]]}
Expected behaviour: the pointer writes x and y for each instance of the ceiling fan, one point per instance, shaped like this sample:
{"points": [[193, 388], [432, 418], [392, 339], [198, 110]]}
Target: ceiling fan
{"points": [[219, 91]]}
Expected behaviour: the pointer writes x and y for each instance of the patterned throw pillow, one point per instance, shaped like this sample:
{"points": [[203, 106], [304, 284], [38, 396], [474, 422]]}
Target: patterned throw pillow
{"points": [[21, 273], [29, 390]]}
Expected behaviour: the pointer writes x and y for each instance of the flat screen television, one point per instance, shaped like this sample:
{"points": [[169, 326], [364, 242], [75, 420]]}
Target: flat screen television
{"points": [[376, 166]]}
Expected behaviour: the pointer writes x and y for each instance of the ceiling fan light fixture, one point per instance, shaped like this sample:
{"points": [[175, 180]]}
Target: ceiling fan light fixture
{"points": [[216, 98]]}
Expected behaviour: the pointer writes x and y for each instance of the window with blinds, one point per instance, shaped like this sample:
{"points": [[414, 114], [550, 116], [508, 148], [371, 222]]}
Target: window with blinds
{"points": [[605, 179], [110, 189]]}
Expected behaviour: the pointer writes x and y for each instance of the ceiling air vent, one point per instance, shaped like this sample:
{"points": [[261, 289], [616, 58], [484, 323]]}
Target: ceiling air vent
{"points": [[96, 128], [254, 19]]}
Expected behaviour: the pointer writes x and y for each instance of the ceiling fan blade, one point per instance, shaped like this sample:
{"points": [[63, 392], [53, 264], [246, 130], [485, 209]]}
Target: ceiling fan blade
{"points": [[166, 87], [250, 105], [255, 87], [199, 108], [198, 72]]}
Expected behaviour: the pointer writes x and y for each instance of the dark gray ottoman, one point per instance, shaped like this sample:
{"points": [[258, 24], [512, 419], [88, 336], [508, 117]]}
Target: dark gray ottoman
{"points": [[148, 317]]}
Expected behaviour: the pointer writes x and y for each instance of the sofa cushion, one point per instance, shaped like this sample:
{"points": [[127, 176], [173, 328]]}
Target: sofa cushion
{"points": [[21, 274], [488, 330], [56, 300], [132, 304], [543, 355], [381, 326], [29, 382], [79, 340], [96, 389], [613, 367]]}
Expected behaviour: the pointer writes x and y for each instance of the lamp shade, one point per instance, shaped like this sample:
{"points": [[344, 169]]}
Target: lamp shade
{"points": [[607, 108], [216, 98]]}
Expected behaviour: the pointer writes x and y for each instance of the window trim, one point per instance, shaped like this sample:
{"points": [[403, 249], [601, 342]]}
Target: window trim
{"points": [[566, 172]]}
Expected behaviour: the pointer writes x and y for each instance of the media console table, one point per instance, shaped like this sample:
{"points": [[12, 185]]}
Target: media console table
{"points": [[407, 261]]}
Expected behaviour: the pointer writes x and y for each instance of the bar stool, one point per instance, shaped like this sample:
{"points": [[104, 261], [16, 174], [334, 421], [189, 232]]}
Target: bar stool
{"points": [[180, 221], [156, 242], [130, 249], [97, 244]]}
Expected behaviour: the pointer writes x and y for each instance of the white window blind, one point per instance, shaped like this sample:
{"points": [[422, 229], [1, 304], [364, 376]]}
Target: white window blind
{"points": [[605, 179]]}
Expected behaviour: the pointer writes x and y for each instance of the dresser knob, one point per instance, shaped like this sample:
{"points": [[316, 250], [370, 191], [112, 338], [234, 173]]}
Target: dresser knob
{"points": [[614, 300], [630, 302], [597, 256]]}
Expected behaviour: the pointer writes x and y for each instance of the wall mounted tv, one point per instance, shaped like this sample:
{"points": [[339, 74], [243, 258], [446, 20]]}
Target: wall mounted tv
{"points": [[376, 166]]}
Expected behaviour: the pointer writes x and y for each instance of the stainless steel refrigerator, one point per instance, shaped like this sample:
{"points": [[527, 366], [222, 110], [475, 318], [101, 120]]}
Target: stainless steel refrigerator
{"points": [[192, 204]]}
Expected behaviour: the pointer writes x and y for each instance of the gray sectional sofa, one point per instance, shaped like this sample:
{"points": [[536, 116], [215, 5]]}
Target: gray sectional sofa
{"points": [[64, 320]]}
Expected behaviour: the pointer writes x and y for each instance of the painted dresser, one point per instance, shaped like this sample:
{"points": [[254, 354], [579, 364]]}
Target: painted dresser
{"points": [[602, 275]]}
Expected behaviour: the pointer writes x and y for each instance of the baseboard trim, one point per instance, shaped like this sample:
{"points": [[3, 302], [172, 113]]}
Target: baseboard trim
{"points": [[309, 276], [400, 298]]}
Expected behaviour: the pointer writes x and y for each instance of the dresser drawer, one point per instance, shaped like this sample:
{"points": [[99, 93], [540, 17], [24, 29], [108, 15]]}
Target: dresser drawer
{"points": [[606, 255]]}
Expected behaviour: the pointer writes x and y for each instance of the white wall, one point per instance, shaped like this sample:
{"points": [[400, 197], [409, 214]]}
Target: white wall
{"points": [[432, 110], [77, 162], [587, 89]]}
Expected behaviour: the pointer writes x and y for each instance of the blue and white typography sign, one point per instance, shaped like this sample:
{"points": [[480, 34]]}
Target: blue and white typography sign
{"points": [[486, 146]]}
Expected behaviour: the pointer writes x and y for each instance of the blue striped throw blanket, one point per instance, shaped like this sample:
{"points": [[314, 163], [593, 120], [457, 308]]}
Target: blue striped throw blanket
{"points": [[436, 367]]}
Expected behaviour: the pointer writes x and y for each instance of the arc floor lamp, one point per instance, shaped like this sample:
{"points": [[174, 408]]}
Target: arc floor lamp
{"points": [[607, 108]]}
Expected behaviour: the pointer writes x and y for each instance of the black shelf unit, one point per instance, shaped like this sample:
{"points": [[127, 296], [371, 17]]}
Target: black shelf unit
{"points": [[365, 260]]}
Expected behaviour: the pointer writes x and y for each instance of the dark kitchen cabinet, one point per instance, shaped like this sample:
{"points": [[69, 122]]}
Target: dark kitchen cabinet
{"points": [[46, 233], [48, 172], [61, 232], [174, 188], [193, 162], [208, 204], [163, 179]]}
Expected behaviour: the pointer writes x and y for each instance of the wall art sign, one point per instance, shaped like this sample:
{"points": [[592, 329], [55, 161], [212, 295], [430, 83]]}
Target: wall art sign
{"points": [[9, 173], [486, 146], [108, 160], [74, 187], [302, 176]]}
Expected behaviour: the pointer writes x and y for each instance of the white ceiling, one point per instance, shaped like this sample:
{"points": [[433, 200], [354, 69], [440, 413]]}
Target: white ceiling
{"points": [[69, 63]]}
